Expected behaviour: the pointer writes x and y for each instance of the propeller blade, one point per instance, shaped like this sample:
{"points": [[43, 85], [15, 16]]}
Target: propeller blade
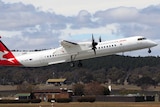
{"points": [[94, 45], [94, 51], [100, 40], [93, 40]]}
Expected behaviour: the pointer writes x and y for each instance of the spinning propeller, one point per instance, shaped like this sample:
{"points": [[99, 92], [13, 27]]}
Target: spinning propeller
{"points": [[94, 44]]}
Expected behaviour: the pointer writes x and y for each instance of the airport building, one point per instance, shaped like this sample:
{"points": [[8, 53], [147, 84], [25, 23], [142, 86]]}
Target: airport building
{"points": [[56, 82]]}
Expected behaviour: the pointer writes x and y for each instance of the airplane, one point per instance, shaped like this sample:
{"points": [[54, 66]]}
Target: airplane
{"points": [[71, 52]]}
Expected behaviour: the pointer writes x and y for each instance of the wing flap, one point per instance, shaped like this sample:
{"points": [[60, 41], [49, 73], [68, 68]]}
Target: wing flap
{"points": [[56, 62]]}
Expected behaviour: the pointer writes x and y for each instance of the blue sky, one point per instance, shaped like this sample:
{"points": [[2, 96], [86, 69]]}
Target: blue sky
{"points": [[27, 24]]}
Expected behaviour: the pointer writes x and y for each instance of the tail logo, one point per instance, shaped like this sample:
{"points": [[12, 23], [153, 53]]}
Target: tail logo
{"points": [[6, 57], [2, 54]]}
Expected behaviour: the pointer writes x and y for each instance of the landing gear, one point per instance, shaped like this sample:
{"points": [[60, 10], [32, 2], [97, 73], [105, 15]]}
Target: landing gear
{"points": [[72, 64], [149, 50], [79, 64]]}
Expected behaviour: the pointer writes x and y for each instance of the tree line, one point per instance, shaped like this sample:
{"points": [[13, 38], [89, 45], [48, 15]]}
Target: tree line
{"points": [[115, 69]]}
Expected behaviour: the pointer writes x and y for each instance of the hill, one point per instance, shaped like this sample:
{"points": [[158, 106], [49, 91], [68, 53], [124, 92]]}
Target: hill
{"points": [[115, 68]]}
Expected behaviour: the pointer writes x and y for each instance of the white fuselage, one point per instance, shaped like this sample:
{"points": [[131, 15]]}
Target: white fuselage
{"points": [[82, 51]]}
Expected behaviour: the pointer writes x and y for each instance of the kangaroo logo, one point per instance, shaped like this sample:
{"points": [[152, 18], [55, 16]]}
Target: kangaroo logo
{"points": [[6, 56], [2, 54], [5, 53]]}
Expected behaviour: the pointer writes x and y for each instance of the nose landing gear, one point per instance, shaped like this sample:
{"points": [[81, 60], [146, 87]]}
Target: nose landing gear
{"points": [[149, 50]]}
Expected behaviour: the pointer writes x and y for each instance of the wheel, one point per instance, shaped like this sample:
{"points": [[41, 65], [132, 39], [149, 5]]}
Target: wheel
{"points": [[79, 64], [149, 51], [72, 64]]}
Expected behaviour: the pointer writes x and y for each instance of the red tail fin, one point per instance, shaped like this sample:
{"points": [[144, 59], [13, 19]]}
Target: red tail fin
{"points": [[6, 57]]}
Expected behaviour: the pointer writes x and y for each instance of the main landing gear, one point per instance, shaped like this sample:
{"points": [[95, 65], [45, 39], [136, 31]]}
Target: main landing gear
{"points": [[80, 64], [72, 64], [73, 57]]}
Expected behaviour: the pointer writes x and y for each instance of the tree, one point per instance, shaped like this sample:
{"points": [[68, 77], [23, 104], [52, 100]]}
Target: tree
{"points": [[94, 88], [145, 82], [106, 91], [26, 87], [78, 89], [116, 75]]}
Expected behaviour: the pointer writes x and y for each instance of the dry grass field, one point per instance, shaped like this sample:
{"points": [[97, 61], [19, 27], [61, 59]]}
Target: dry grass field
{"points": [[95, 104]]}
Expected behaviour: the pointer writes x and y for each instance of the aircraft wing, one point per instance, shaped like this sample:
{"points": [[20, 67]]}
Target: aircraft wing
{"points": [[56, 62], [68, 44]]}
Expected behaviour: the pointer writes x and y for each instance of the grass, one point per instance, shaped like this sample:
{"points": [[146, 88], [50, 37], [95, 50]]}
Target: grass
{"points": [[95, 104]]}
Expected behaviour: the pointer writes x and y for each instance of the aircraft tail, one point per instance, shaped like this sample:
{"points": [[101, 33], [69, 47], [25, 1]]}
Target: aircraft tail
{"points": [[6, 56]]}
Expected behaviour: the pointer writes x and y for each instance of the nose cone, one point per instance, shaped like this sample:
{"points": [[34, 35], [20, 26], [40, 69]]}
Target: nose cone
{"points": [[152, 43]]}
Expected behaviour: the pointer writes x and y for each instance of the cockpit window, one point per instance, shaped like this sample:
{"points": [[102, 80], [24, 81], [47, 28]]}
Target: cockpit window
{"points": [[141, 39]]}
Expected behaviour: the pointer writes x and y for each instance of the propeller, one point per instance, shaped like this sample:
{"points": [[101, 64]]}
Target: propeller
{"points": [[100, 40], [94, 44]]}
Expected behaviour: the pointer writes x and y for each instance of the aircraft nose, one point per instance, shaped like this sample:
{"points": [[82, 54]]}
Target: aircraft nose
{"points": [[153, 43]]}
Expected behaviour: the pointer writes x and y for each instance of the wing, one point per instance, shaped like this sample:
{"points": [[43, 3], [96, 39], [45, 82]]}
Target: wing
{"points": [[75, 48], [56, 62], [68, 44]]}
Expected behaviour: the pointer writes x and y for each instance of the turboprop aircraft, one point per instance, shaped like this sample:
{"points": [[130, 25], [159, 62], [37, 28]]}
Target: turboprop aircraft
{"points": [[71, 52]]}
